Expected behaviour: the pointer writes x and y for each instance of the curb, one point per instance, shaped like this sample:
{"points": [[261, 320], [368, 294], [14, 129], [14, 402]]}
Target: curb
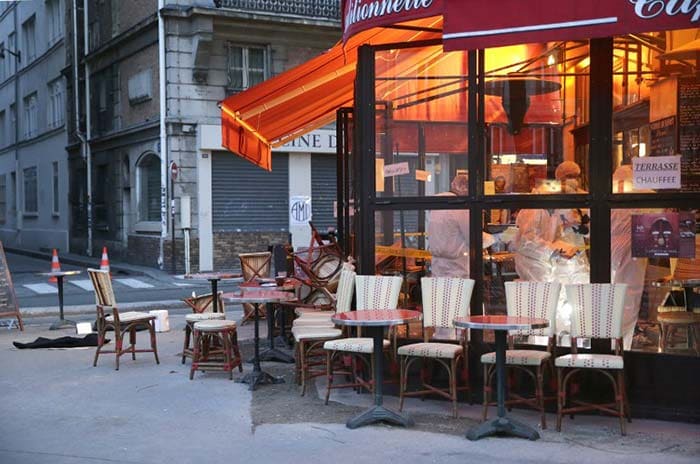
{"points": [[75, 261], [90, 309]]}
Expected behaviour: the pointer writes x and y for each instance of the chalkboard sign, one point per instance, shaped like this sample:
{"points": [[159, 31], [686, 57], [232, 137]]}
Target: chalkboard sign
{"points": [[663, 137], [8, 300], [689, 132]]}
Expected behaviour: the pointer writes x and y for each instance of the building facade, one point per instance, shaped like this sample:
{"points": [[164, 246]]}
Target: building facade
{"points": [[34, 211], [150, 137]]}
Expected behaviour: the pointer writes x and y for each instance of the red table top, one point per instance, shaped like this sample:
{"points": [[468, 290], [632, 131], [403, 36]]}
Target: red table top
{"points": [[212, 276], [258, 296], [501, 322], [376, 317]]}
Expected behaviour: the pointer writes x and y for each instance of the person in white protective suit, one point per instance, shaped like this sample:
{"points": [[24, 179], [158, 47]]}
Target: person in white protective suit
{"points": [[550, 244], [624, 269], [448, 235]]}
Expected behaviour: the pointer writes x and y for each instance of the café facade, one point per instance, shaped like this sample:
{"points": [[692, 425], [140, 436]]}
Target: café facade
{"points": [[423, 91]]}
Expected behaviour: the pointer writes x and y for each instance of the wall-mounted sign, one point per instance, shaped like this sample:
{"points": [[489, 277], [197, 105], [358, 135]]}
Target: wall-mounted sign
{"points": [[663, 235], [318, 141], [657, 172], [422, 175], [299, 210]]}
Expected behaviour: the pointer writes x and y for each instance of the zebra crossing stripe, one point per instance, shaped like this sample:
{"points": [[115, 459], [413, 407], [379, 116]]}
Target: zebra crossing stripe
{"points": [[85, 284], [43, 289], [133, 283]]}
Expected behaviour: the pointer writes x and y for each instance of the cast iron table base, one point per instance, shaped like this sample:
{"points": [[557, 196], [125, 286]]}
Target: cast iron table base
{"points": [[258, 377]]}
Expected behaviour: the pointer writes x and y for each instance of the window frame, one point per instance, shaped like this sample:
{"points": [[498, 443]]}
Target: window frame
{"points": [[54, 9], [245, 64], [3, 198], [31, 115], [29, 39], [143, 223], [26, 179], [55, 190], [55, 114]]}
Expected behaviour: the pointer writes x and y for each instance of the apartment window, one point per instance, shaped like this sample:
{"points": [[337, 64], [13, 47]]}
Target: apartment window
{"points": [[56, 108], [31, 201], [11, 137], [148, 172], [247, 66], [31, 116], [54, 17], [3, 198], [54, 165], [114, 10], [29, 33], [3, 63], [3, 130]]}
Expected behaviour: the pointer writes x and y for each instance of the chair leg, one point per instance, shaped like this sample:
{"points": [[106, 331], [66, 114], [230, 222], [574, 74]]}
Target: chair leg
{"points": [[620, 397], [453, 386], [152, 331], [628, 411], [118, 345], [561, 395], [186, 346], [402, 380], [132, 341], [195, 352], [228, 358], [539, 394], [236, 350], [100, 344], [487, 389], [329, 373], [303, 366]]}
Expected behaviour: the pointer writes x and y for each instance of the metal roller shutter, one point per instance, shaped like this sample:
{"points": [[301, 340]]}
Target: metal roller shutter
{"points": [[323, 191], [246, 198]]}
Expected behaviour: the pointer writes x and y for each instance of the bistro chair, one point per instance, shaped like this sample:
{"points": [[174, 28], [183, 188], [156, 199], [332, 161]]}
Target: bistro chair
{"points": [[254, 266], [309, 337], [597, 313], [373, 292], [443, 300], [534, 300], [203, 310], [226, 358], [121, 323]]}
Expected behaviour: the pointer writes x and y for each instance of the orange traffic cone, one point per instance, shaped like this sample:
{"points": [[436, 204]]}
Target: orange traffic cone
{"points": [[55, 266], [104, 263]]}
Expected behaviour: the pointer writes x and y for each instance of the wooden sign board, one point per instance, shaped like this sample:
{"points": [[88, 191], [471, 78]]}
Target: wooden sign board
{"points": [[8, 300]]}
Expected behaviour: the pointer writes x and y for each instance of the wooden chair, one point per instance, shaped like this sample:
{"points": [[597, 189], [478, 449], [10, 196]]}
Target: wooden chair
{"points": [[373, 292], [121, 323], [310, 336], [228, 357], [202, 307], [597, 313], [526, 299], [443, 300], [254, 266]]}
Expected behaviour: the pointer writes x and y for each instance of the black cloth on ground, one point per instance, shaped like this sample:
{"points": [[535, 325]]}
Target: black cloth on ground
{"points": [[61, 342]]}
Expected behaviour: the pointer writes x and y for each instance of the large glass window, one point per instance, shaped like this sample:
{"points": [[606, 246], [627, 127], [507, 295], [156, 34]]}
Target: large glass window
{"points": [[54, 17], [31, 115], [148, 173], [31, 200], [29, 37], [56, 107]]}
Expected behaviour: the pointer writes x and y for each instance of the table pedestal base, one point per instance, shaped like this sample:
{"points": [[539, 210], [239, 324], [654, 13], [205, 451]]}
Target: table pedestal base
{"points": [[274, 354], [378, 414], [255, 378], [505, 426], [62, 324]]}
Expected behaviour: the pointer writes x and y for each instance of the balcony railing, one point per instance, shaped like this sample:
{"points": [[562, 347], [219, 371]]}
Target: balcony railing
{"points": [[325, 9]]}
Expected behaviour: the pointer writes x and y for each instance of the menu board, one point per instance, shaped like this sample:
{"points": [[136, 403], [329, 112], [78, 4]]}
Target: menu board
{"points": [[8, 301], [663, 137], [689, 132]]}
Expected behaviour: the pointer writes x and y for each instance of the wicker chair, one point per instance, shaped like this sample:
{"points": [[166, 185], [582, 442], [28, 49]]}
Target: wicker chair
{"points": [[526, 299], [254, 266], [373, 292], [309, 337], [597, 313], [443, 300], [202, 307], [120, 323]]}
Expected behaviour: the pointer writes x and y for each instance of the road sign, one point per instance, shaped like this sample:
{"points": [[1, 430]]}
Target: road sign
{"points": [[173, 170]]}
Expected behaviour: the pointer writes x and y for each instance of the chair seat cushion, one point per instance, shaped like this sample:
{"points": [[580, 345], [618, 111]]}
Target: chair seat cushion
{"points": [[214, 325], [519, 357], [303, 310], [595, 361], [317, 315], [315, 333], [353, 345], [196, 317], [303, 322], [132, 316], [431, 350]]}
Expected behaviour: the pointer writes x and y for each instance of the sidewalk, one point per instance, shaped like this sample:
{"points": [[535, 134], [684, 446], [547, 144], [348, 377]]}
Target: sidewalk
{"points": [[57, 408]]}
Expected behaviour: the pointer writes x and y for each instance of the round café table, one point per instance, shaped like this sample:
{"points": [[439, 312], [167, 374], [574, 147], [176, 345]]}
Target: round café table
{"points": [[501, 325], [61, 322], [256, 298], [375, 320], [272, 353], [213, 278]]}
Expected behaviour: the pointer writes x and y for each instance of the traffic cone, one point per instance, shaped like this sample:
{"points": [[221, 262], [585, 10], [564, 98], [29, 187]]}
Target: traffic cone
{"points": [[104, 263], [55, 266]]}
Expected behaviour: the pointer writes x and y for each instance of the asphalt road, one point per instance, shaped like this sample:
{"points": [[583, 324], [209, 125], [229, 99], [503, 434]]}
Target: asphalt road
{"points": [[127, 288]]}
